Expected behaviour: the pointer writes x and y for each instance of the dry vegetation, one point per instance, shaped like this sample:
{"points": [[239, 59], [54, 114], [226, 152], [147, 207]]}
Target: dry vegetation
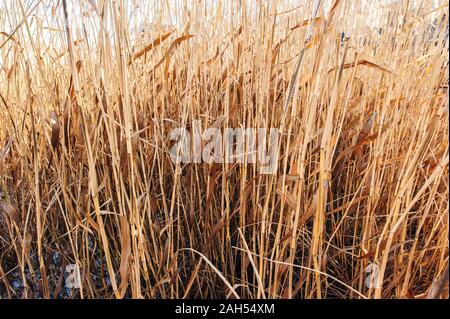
{"points": [[87, 101]]}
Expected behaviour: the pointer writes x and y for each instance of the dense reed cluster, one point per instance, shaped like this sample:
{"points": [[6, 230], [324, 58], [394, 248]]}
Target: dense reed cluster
{"points": [[90, 90]]}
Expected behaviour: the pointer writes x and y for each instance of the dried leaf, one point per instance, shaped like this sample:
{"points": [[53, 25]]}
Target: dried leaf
{"points": [[305, 23], [10, 211], [220, 224], [125, 253], [56, 127], [365, 63], [333, 9], [152, 45], [289, 198], [172, 47]]}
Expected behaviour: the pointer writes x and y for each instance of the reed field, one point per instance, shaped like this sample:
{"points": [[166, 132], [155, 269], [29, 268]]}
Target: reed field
{"points": [[357, 206]]}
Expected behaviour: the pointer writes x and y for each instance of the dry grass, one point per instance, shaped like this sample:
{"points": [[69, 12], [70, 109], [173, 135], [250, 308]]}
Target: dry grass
{"points": [[87, 102]]}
